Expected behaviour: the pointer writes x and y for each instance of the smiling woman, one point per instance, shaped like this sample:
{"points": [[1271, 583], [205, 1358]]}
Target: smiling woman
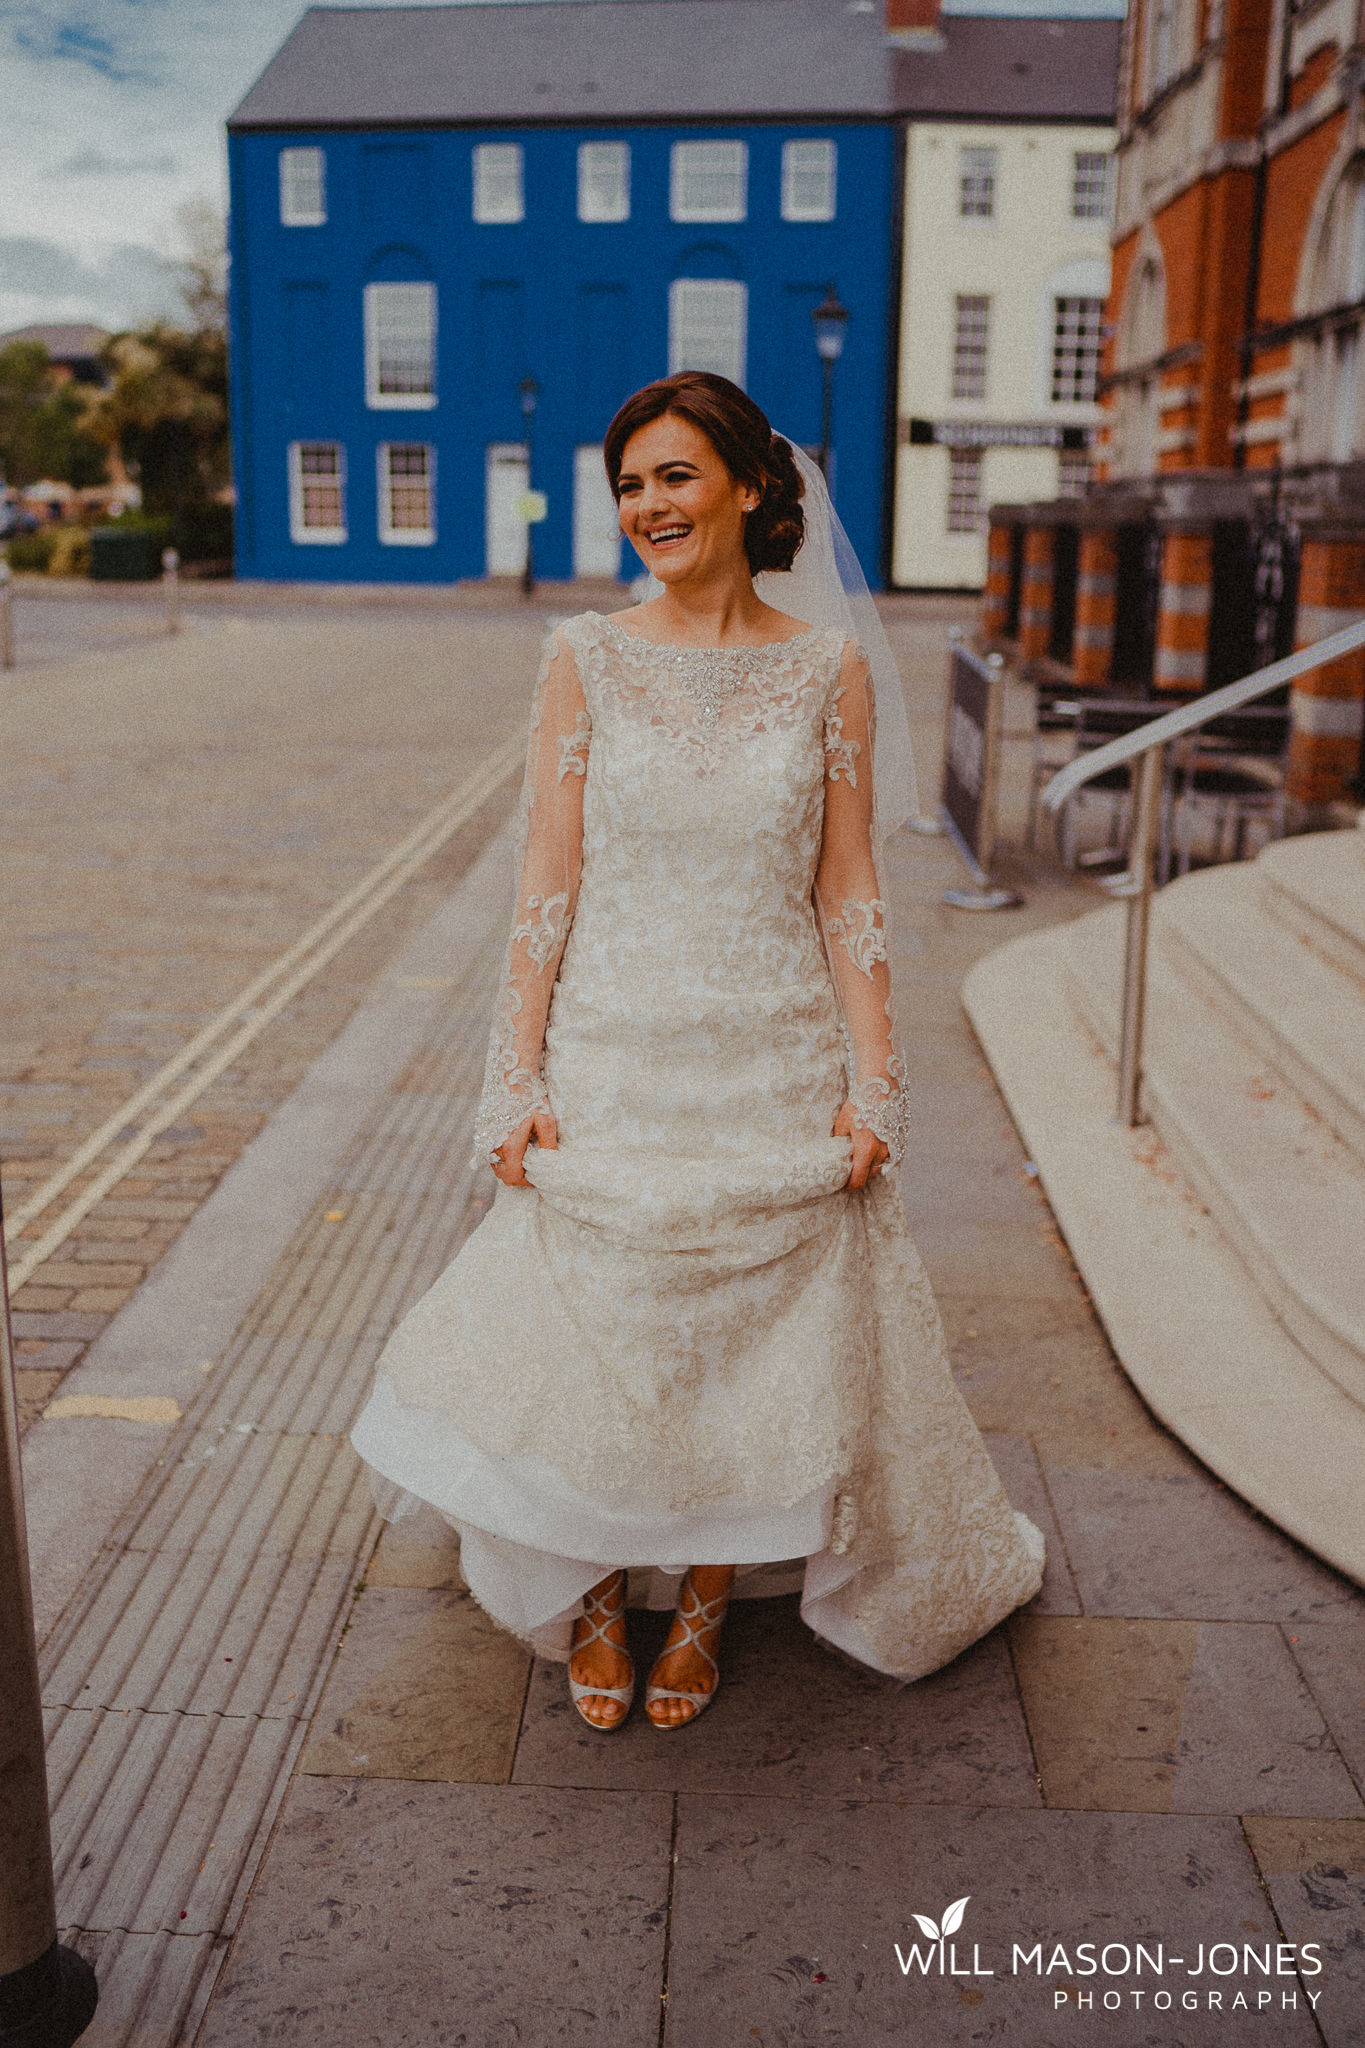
{"points": [[692, 1343]]}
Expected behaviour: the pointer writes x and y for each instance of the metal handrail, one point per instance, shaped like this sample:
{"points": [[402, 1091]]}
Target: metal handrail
{"points": [[1147, 744]]}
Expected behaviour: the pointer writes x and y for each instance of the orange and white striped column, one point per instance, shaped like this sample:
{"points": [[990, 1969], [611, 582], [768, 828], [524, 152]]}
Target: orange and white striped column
{"points": [[995, 609], [1183, 609], [1035, 597], [1096, 606], [1327, 706]]}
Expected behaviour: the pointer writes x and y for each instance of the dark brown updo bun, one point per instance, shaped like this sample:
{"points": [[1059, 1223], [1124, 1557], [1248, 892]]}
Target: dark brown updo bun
{"points": [[738, 430]]}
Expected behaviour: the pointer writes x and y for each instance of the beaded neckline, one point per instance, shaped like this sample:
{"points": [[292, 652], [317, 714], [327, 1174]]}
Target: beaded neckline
{"points": [[711, 675]]}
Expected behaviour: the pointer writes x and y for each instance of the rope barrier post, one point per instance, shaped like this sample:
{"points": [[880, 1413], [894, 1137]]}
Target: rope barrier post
{"points": [[1146, 812], [170, 564], [6, 616], [48, 1993]]}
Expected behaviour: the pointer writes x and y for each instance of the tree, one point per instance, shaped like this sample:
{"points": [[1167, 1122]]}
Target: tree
{"points": [[166, 411], [42, 422]]}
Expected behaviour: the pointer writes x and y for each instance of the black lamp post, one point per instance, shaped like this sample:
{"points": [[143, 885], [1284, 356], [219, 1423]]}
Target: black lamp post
{"points": [[528, 391], [830, 320]]}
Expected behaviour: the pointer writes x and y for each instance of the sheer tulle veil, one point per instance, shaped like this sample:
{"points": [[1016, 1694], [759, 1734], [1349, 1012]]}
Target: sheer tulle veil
{"points": [[826, 587]]}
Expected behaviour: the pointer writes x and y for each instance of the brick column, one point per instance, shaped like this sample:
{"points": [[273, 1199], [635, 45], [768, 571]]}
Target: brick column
{"points": [[1035, 603], [995, 609], [1182, 620], [1096, 605], [1326, 705]]}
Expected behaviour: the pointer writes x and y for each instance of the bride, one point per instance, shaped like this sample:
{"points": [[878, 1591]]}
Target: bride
{"points": [[692, 1346]]}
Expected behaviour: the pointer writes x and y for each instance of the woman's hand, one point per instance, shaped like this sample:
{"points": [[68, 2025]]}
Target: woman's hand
{"points": [[869, 1153], [507, 1160]]}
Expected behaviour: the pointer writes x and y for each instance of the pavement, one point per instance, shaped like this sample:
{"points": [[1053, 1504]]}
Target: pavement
{"points": [[305, 1792]]}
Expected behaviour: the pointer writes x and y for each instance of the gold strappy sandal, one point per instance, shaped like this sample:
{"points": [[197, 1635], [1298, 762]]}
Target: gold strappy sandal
{"points": [[696, 1622], [600, 1616]]}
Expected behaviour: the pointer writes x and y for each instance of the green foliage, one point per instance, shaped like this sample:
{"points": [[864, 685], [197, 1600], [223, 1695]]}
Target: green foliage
{"points": [[32, 550], [42, 422], [166, 410]]}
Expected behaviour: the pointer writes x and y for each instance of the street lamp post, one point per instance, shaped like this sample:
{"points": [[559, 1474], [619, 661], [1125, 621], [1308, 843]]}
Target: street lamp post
{"points": [[47, 1992], [528, 391], [830, 319]]}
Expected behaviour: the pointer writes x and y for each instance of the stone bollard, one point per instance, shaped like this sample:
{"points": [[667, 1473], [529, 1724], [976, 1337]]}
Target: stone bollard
{"points": [[1183, 610], [1096, 606], [1035, 603], [1327, 705], [170, 565]]}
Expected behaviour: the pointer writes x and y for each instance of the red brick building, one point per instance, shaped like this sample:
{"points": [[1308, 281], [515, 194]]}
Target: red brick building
{"points": [[1235, 370]]}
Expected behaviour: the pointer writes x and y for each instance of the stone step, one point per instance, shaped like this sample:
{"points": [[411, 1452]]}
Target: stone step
{"points": [[1273, 987], [1188, 1323], [1315, 886], [1286, 1192]]}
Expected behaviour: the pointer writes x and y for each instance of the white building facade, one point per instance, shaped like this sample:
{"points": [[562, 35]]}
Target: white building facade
{"points": [[1004, 281]]}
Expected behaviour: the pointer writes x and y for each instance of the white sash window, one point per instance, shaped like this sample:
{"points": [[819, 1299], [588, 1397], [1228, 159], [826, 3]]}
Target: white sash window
{"points": [[499, 184], [303, 188], [808, 180], [709, 181], [400, 346], [407, 494], [708, 326], [317, 493], [604, 181]]}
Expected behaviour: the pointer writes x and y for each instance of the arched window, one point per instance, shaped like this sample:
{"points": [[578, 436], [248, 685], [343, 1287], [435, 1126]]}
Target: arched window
{"points": [[1141, 340], [1330, 363]]}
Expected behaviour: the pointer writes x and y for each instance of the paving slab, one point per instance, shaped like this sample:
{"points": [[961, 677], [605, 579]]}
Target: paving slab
{"points": [[1016, 1460], [153, 1815], [424, 1687], [1174, 1716], [161, 1977], [787, 1914], [391, 1915], [793, 1716], [1332, 1659], [1185, 1544], [1315, 1873]]}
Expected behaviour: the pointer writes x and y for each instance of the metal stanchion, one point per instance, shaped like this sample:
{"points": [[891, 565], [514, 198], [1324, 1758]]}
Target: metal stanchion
{"points": [[1138, 890], [6, 616], [170, 563], [47, 1993]]}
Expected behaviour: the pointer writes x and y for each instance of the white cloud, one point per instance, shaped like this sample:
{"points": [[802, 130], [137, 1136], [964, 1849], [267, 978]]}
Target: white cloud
{"points": [[113, 117]]}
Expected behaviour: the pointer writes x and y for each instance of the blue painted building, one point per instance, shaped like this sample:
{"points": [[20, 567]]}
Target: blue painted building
{"points": [[432, 205]]}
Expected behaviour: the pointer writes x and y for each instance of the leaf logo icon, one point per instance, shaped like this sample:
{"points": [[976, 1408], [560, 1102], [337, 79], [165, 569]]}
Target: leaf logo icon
{"points": [[952, 1920]]}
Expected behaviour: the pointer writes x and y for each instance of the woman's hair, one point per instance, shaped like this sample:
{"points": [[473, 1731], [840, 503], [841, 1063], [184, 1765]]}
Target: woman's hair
{"points": [[746, 444]]}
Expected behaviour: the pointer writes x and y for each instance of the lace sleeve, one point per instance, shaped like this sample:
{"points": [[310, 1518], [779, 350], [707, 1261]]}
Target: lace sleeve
{"points": [[549, 863], [851, 909]]}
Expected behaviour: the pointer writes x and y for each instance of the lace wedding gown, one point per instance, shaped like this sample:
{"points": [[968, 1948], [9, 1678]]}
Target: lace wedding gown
{"points": [[689, 1341]]}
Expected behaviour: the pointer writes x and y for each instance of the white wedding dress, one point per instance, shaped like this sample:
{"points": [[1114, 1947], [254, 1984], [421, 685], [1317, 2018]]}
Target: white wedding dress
{"points": [[689, 1341]]}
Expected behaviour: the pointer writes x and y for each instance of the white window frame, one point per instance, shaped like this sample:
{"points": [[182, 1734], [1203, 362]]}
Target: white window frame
{"points": [[971, 323], [396, 401], [1077, 338], [498, 200], [978, 165], [293, 214], [405, 536], [688, 159], [604, 181], [684, 304], [1086, 186], [795, 172], [964, 463], [300, 532]]}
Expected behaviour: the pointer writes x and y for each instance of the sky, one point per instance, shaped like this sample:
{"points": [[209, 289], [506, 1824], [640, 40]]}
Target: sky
{"points": [[113, 118]]}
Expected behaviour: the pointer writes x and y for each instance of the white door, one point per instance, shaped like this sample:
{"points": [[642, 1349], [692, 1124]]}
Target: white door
{"points": [[596, 525], [505, 481]]}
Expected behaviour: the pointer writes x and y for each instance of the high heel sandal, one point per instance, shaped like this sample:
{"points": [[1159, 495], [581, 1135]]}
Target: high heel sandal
{"points": [[600, 1617], [698, 1622]]}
